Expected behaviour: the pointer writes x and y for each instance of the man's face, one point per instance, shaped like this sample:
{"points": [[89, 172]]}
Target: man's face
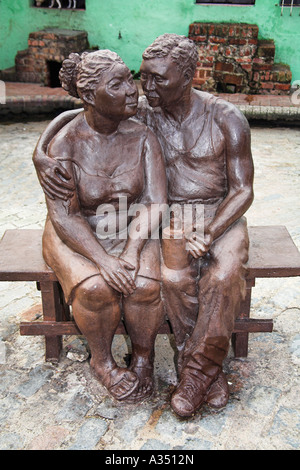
{"points": [[162, 82]]}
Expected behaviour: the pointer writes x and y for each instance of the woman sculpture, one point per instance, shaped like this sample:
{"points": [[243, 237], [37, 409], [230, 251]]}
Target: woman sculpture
{"points": [[114, 163]]}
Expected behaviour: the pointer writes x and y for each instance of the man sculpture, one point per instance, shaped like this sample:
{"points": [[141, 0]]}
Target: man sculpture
{"points": [[206, 146]]}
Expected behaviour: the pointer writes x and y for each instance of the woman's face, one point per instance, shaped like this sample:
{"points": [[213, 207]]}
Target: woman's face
{"points": [[116, 96]]}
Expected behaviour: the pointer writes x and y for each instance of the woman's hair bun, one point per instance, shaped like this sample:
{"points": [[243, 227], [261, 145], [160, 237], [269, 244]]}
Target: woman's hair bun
{"points": [[68, 74]]}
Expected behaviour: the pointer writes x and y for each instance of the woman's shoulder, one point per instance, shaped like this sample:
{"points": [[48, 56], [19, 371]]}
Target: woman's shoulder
{"points": [[133, 127]]}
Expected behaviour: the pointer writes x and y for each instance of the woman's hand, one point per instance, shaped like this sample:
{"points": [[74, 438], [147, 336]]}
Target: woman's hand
{"points": [[115, 273], [133, 260], [53, 177]]}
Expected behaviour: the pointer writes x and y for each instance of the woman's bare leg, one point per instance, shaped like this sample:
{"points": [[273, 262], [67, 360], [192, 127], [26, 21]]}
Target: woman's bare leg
{"points": [[96, 310], [144, 314]]}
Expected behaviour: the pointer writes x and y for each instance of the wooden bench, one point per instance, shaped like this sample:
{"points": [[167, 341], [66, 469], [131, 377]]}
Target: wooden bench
{"points": [[272, 254]]}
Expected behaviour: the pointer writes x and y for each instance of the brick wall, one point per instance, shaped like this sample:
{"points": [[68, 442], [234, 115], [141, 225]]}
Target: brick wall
{"points": [[233, 59], [53, 45]]}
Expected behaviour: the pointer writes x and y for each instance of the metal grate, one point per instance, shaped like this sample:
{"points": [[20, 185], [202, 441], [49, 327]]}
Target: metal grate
{"points": [[289, 3], [60, 4], [227, 2]]}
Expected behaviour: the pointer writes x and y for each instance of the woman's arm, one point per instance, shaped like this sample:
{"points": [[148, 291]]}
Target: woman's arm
{"points": [[75, 231], [53, 177]]}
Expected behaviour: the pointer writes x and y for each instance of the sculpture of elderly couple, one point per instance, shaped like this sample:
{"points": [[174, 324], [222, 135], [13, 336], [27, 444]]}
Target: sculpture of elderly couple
{"points": [[175, 145]]}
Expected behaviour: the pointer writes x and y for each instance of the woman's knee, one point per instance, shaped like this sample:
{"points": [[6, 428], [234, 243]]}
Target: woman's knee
{"points": [[148, 291], [94, 293]]}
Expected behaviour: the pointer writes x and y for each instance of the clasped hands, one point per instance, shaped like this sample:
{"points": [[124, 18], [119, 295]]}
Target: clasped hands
{"points": [[199, 245]]}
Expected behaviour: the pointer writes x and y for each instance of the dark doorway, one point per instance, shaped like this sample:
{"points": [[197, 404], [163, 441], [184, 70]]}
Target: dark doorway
{"points": [[53, 71]]}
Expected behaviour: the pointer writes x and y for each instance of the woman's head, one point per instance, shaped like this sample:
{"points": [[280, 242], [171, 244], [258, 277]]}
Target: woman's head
{"points": [[82, 76]]}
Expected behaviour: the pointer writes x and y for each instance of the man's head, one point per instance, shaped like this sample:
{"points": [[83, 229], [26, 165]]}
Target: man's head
{"points": [[168, 68]]}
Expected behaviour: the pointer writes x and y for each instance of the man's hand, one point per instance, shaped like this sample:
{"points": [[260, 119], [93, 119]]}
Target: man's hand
{"points": [[198, 246], [53, 178]]}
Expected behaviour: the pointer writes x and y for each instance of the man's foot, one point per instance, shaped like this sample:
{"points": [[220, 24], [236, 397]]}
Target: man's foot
{"points": [[119, 382], [218, 394], [189, 396]]}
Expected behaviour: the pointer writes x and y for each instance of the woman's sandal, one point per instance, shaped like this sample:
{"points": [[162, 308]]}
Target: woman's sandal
{"points": [[146, 384], [120, 383]]}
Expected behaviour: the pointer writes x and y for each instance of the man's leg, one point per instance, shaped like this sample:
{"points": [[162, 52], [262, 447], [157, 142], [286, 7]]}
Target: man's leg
{"points": [[180, 295], [221, 289]]}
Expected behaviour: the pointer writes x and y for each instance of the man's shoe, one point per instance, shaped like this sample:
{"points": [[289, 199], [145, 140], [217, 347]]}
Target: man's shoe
{"points": [[188, 397], [218, 394]]}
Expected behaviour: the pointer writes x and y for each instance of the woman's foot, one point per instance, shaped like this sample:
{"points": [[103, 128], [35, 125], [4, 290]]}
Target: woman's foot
{"points": [[120, 383], [146, 384]]}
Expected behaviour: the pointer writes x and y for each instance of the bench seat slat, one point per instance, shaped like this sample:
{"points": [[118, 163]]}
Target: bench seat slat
{"points": [[51, 328], [272, 252], [21, 257]]}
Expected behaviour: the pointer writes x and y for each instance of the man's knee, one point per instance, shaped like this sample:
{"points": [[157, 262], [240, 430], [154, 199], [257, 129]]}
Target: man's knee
{"points": [[230, 251], [222, 274], [228, 279], [184, 280], [94, 293]]}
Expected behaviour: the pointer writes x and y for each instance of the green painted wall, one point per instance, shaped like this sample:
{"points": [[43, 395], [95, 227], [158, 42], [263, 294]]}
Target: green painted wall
{"points": [[128, 26]]}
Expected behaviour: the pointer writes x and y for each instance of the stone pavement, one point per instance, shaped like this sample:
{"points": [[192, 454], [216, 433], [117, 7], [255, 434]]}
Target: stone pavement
{"points": [[61, 406]]}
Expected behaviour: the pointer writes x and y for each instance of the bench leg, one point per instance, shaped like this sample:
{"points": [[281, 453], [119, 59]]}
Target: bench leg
{"points": [[52, 311], [240, 340], [240, 344]]}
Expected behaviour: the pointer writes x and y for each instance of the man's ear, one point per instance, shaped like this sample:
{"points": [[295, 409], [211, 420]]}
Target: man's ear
{"points": [[187, 79]]}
